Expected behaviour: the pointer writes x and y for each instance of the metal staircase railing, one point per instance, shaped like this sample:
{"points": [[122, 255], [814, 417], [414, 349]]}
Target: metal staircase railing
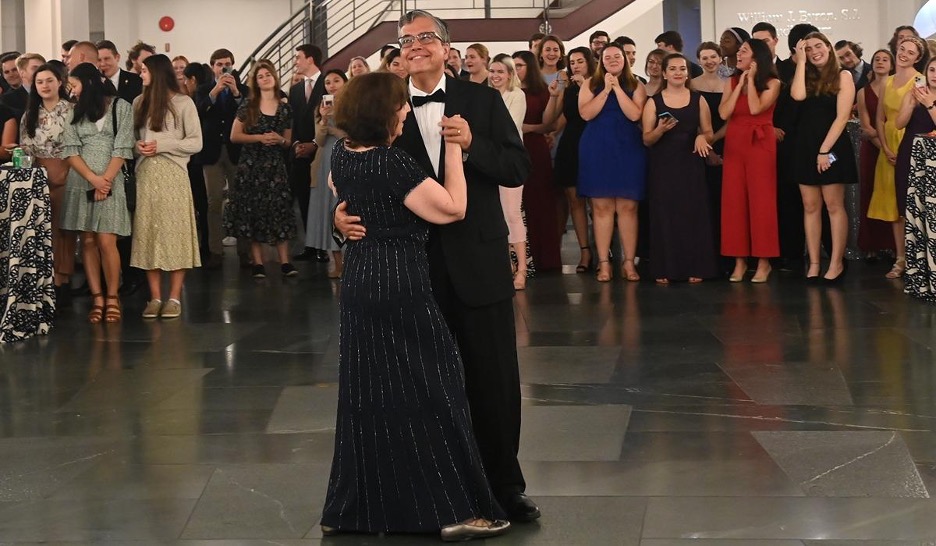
{"points": [[334, 24]]}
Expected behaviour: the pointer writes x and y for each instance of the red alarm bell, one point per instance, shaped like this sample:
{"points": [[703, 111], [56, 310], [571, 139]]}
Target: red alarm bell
{"points": [[166, 23]]}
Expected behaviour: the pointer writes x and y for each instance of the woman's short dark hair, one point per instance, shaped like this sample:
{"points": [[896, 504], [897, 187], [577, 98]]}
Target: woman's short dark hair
{"points": [[368, 106], [337, 72], [95, 89]]}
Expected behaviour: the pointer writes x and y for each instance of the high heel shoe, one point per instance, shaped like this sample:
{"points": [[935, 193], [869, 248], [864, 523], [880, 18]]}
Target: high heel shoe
{"points": [[760, 280], [604, 271], [837, 279], [900, 265], [631, 276], [519, 280], [584, 268], [812, 279]]}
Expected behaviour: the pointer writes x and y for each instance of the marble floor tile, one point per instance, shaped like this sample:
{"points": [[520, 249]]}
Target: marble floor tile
{"points": [[846, 464], [305, 409], [573, 433]]}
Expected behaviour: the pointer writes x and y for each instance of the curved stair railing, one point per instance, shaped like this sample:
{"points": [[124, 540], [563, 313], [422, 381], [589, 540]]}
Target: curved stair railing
{"points": [[333, 25]]}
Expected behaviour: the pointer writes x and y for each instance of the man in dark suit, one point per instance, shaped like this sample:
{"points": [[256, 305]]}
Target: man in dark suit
{"points": [[129, 86], [217, 103], [849, 55], [672, 41], [789, 201], [16, 96], [304, 98], [468, 260]]}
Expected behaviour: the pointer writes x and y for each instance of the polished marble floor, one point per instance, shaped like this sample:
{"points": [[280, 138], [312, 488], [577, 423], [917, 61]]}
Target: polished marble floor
{"points": [[715, 414]]}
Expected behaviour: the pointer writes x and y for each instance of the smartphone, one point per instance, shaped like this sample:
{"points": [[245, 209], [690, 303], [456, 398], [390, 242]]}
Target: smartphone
{"points": [[919, 81], [328, 101], [832, 157], [90, 194], [664, 116], [227, 70]]}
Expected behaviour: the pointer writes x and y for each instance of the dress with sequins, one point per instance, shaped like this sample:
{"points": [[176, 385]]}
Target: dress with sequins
{"points": [[405, 456]]}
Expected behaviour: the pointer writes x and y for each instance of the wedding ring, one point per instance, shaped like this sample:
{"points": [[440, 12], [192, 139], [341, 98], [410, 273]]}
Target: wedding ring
{"points": [[458, 131]]}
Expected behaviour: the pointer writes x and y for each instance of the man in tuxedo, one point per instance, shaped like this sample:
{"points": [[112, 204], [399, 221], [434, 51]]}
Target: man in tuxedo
{"points": [[468, 260], [217, 103], [304, 98], [16, 95], [789, 201], [768, 33], [129, 85], [849, 55]]}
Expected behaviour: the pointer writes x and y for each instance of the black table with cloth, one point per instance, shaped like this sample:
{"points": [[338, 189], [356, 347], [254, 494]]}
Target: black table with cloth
{"points": [[27, 292]]}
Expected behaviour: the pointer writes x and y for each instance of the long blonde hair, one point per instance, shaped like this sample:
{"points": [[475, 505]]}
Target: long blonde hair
{"points": [[253, 101]]}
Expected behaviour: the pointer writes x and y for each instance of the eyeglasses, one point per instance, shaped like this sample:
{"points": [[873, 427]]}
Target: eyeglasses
{"points": [[599, 42], [425, 38]]}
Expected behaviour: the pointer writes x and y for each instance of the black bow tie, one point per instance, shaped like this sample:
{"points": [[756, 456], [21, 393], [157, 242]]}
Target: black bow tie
{"points": [[438, 96]]}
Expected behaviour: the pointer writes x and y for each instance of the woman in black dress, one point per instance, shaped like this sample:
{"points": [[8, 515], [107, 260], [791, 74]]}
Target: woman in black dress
{"points": [[571, 125], [677, 129], [405, 457], [823, 158]]}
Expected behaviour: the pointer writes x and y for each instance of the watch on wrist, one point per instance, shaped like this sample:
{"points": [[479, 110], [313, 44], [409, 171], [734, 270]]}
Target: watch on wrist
{"points": [[931, 106]]}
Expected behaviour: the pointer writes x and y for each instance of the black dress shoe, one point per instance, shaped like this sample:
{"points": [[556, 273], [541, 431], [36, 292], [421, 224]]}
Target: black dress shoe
{"points": [[322, 256], [838, 279], [520, 508], [307, 255]]}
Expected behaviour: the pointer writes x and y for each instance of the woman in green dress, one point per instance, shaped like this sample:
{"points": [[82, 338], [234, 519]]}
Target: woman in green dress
{"points": [[95, 204]]}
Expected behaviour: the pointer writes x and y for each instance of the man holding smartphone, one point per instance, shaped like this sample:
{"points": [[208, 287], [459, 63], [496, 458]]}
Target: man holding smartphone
{"points": [[217, 104]]}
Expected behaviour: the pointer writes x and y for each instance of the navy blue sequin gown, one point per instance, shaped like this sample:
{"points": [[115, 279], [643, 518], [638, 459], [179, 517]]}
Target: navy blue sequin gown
{"points": [[405, 456]]}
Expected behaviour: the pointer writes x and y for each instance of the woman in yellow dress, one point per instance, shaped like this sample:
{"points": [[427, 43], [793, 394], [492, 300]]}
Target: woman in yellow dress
{"points": [[912, 56]]}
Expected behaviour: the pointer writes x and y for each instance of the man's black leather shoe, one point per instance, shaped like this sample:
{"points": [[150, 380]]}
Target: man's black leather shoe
{"points": [[520, 508]]}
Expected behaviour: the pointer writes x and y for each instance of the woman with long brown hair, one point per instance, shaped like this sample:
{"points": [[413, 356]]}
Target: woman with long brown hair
{"points": [[612, 157], [168, 133], [873, 235], [539, 192], [826, 93], [260, 207]]}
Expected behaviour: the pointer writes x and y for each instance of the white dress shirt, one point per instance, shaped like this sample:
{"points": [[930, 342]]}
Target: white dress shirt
{"points": [[115, 79], [428, 117]]}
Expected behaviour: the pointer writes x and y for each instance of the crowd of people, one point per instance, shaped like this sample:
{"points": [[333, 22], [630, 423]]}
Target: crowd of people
{"points": [[706, 166]]}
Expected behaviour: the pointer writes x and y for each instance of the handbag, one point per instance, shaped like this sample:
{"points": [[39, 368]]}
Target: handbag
{"points": [[128, 169]]}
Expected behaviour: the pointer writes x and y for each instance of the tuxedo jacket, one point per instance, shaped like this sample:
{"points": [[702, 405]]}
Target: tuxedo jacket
{"points": [[473, 253], [303, 127], [130, 86], [216, 120], [15, 100], [863, 78]]}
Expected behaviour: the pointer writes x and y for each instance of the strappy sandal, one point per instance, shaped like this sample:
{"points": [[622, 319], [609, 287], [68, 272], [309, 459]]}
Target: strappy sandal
{"points": [[602, 275], [584, 268], [631, 276], [97, 311], [112, 311], [900, 265]]}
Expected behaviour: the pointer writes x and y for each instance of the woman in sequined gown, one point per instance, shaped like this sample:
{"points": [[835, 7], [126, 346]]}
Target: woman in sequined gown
{"points": [[405, 456]]}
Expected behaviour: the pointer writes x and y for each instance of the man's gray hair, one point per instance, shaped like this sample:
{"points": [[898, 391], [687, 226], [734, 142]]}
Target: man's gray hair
{"points": [[441, 26]]}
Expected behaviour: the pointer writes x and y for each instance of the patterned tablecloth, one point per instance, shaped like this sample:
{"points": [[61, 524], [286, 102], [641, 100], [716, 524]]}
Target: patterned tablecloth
{"points": [[27, 292], [920, 277]]}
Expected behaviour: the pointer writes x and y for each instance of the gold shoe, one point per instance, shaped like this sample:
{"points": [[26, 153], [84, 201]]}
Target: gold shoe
{"points": [[328, 531], [469, 530]]}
